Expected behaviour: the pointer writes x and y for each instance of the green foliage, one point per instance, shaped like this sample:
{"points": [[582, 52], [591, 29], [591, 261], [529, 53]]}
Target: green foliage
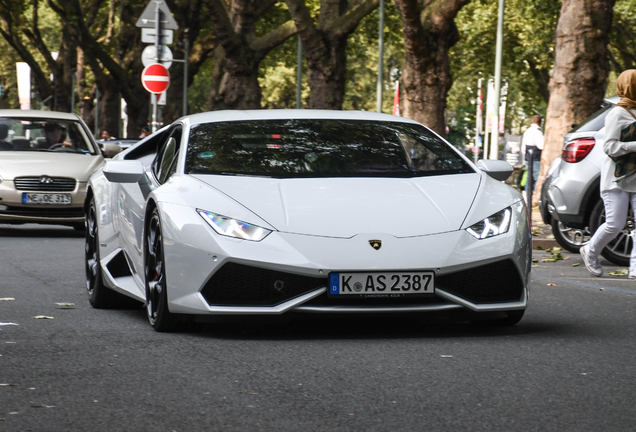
{"points": [[8, 76], [199, 90], [278, 70], [277, 76], [527, 58], [362, 61], [529, 27], [622, 51]]}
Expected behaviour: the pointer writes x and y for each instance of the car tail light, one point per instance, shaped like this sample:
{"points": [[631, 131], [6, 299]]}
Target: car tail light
{"points": [[575, 151]]}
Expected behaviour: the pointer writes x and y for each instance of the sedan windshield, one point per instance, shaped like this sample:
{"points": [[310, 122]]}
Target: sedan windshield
{"points": [[30, 134], [320, 148]]}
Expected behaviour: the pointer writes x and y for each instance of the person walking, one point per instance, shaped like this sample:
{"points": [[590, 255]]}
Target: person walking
{"points": [[532, 140], [616, 195]]}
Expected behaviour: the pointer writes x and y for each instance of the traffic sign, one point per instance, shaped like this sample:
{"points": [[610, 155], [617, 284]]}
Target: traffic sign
{"points": [[148, 35], [155, 78], [162, 98], [149, 56], [147, 18]]}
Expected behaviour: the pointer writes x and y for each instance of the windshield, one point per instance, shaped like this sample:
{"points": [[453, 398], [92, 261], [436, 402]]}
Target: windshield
{"points": [[31, 134], [319, 148]]}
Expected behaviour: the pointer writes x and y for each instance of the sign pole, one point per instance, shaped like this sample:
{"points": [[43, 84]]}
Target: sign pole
{"points": [[380, 82], [158, 53], [478, 116], [155, 17], [186, 57], [494, 141]]}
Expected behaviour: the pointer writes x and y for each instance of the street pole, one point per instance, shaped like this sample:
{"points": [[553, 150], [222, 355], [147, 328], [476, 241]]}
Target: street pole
{"points": [[72, 91], [299, 74], [479, 120], [494, 141], [97, 136], [158, 54], [186, 48], [380, 57]]}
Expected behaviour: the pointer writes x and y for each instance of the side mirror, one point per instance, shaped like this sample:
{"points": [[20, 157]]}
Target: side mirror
{"points": [[109, 150], [497, 169], [125, 171]]}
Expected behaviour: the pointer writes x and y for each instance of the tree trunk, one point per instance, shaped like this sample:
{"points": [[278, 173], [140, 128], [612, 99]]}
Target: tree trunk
{"points": [[325, 44], [429, 33], [581, 67], [235, 81]]}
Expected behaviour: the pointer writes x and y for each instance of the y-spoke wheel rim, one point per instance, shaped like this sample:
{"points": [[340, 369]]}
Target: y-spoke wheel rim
{"points": [[154, 268], [575, 236]]}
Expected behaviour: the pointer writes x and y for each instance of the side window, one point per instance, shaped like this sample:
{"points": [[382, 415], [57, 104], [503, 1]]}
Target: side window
{"points": [[421, 158], [166, 163], [429, 154]]}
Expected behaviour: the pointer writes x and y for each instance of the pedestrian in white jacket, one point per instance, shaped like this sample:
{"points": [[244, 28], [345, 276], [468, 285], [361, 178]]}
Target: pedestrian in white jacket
{"points": [[616, 195]]}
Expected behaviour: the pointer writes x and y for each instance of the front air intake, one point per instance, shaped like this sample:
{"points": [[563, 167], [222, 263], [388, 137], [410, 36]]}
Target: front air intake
{"points": [[492, 283], [242, 285]]}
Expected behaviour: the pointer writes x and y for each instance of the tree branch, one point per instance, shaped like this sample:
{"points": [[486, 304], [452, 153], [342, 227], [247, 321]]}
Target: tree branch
{"points": [[309, 34], [271, 40], [347, 23], [226, 36]]}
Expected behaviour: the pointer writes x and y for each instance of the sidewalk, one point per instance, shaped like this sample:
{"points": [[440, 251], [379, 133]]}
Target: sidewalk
{"points": [[541, 233]]}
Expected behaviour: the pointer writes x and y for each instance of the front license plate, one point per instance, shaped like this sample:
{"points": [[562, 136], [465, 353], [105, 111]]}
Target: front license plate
{"points": [[393, 284], [46, 198]]}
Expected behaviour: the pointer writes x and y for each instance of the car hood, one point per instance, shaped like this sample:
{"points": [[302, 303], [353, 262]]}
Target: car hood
{"points": [[345, 207], [54, 164]]}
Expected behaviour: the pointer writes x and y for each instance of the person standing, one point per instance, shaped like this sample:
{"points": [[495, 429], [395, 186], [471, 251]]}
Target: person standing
{"points": [[616, 195], [532, 140], [4, 133], [145, 131], [106, 136]]}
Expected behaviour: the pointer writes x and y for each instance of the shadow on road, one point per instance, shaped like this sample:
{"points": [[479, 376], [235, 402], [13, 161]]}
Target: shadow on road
{"points": [[45, 231], [368, 327]]}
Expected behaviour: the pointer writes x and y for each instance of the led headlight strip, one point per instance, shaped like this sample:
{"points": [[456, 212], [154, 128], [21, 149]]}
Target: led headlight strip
{"points": [[229, 227], [493, 225]]}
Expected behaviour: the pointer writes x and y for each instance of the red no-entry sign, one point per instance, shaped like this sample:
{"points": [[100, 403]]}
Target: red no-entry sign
{"points": [[155, 78]]}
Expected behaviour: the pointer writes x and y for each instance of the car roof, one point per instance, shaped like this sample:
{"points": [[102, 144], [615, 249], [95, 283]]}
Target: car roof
{"points": [[287, 114], [55, 115]]}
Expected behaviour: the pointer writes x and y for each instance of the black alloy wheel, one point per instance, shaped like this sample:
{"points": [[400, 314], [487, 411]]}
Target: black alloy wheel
{"points": [[619, 250], [99, 296], [161, 319]]}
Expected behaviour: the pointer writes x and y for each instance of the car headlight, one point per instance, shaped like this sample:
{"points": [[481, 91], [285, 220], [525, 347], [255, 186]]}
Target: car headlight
{"points": [[491, 226], [229, 227]]}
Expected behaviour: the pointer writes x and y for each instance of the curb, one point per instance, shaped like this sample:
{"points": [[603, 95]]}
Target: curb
{"points": [[544, 243]]}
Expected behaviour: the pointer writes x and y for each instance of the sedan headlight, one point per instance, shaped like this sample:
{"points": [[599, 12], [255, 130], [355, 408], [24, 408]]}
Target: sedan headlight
{"points": [[229, 227], [491, 226]]}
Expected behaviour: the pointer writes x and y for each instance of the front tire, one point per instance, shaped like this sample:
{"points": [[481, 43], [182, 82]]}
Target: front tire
{"points": [[159, 316], [99, 296]]}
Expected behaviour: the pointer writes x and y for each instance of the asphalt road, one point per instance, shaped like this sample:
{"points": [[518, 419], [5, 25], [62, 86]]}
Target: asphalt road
{"points": [[568, 366]]}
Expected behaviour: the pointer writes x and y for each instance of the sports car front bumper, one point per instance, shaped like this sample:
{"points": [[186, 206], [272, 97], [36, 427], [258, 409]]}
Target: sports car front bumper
{"points": [[210, 274]]}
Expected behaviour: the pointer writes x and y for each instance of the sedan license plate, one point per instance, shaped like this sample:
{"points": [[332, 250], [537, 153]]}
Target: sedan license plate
{"points": [[46, 198], [390, 284]]}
